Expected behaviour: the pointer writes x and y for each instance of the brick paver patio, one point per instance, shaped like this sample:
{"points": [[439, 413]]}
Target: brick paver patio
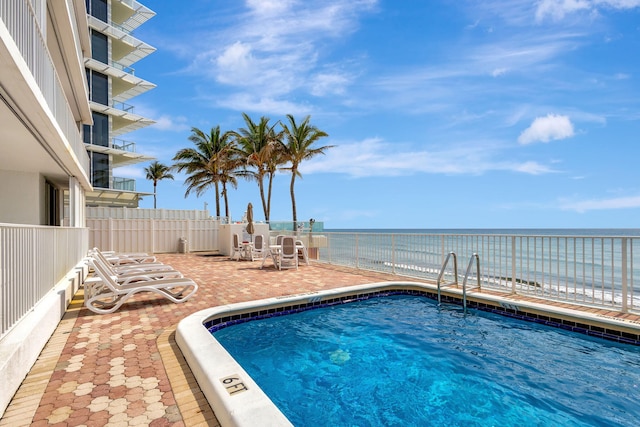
{"points": [[124, 369]]}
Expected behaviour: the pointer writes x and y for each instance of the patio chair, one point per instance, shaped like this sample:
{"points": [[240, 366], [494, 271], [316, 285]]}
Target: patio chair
{"points": [[258, 250], [302, 251], [237, 246], [106, 295], [288, 256]]}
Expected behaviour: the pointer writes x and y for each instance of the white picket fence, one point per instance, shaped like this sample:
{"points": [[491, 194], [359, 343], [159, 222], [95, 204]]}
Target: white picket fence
{"points": [[99, 212], [153, 235]]}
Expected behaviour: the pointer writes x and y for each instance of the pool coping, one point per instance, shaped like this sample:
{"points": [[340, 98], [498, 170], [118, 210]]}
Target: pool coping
{"points": [[238, 401]]}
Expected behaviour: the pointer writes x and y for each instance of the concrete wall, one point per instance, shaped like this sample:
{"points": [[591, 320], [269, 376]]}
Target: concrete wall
{"points": [[20, 348], [22, 195]]}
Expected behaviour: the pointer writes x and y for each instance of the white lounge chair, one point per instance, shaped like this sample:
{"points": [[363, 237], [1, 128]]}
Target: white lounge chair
{"points": [[125, 259], [105, 295], [130, 275], [288, 255], [129, 268]]}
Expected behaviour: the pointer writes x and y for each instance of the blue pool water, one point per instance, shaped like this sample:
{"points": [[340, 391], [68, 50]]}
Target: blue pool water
{"points": [[401, 361]]}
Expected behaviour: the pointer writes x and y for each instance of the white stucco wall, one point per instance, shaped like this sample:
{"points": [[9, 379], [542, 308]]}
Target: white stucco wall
{"points": [[20, 348], [21, 196]]}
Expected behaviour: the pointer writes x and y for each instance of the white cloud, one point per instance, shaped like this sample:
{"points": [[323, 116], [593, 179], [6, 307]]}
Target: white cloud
{"points": [[174, 124], [545, 129], [532, 168], [582, 206], [557, 10], [235, 63], [248, 102], [269, 7], [499, 72], [329, 84], [374, 157], [276, 46], [618, 4]]}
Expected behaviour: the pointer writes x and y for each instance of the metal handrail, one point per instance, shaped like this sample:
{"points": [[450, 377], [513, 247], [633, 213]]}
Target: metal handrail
{"points": [[466, 276], [444, 266]]}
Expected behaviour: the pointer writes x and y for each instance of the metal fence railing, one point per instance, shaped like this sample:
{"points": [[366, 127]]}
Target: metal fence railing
{"points": [[593, 270], [33, 260]]}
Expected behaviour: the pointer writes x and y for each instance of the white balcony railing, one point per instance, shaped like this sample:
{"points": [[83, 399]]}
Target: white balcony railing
{"points": [[599, 271], [23, 20], [33, 260]]}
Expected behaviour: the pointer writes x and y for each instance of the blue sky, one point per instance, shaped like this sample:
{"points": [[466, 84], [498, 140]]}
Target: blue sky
{"points": [[444, 114]]}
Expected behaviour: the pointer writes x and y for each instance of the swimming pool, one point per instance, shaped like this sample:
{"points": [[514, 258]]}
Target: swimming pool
{"points": [[513, 373]]}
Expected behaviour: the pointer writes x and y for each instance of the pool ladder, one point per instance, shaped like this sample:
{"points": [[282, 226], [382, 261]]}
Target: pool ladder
{"points": [[474, 258]]}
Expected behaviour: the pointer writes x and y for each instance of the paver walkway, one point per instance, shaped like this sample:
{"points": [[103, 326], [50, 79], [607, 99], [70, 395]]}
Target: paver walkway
{"points": [[124, 369]]}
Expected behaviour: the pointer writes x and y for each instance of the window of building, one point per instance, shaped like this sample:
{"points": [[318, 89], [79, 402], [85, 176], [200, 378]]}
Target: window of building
{"points": [[98, 134], [98, 87], [100, 170], [86, 133], [100, 131], [52, 204], [97, 9], [99, 47]]}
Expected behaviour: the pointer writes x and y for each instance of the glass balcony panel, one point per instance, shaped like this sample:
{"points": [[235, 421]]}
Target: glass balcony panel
{"points": [[124, 184]]}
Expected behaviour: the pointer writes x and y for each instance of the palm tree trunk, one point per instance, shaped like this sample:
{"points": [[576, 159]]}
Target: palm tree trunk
{"points": [[226, 200], [155, 184], [264, 204], [217, 200], [293, 199], [271, 174]]}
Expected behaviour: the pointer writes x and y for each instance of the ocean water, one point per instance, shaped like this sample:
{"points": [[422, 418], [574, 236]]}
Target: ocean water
{"points": [[583, 265], [590, 232]]}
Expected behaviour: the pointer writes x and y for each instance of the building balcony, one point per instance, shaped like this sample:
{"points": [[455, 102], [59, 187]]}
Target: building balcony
{"points": [[123, 184], [113, 197], [125, 49], [121, 193], [123, 119], [35, 94], [123, 153], [124, 84], [121, 144], [129, 14]]}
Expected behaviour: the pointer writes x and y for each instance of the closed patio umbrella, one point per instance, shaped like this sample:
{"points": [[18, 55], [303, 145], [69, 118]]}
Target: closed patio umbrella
{"points": [[250, 226]]}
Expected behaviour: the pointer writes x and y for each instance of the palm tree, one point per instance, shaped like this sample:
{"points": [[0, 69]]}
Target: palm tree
{"points": [[206, 163], [298, 147], [259, 144], [228, 168], [156, 171]]}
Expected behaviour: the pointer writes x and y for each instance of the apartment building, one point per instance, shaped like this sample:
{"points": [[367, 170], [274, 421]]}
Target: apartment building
{"points": [[43, 106], [112, 83], [65, 78]]}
